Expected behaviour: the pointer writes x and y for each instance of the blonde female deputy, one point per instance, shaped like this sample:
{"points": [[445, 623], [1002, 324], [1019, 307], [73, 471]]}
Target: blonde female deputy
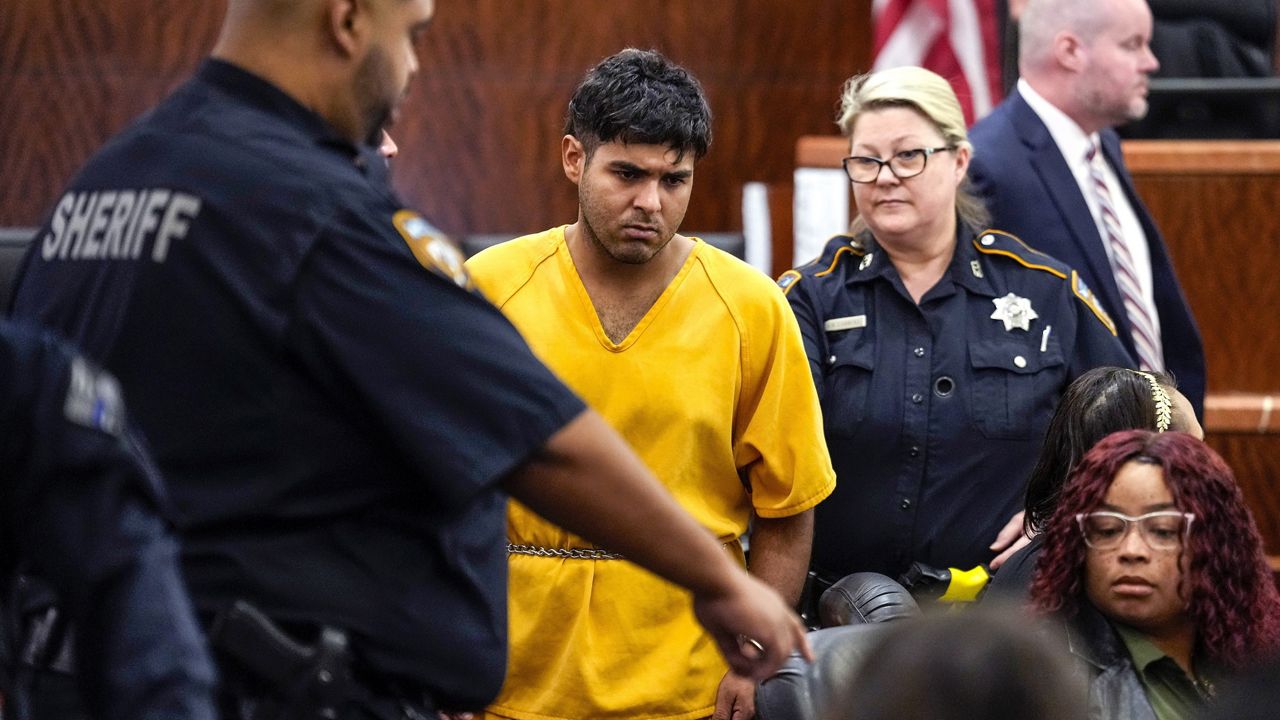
{"points": [[939, 347]]}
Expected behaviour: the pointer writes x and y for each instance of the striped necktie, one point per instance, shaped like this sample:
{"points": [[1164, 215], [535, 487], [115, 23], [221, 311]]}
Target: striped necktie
{"points": [[1145, 339]]}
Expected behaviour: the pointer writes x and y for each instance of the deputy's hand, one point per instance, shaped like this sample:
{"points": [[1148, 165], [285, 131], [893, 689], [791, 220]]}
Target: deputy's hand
{"points": [[735, 698], [753, 627], [1010, 540]]}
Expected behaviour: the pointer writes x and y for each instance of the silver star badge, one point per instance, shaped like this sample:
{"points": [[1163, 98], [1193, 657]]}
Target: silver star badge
{"points": [[1014, 311]]}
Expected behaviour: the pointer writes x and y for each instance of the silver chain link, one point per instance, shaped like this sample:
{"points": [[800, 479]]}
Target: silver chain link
{"points": [[562, 553]]}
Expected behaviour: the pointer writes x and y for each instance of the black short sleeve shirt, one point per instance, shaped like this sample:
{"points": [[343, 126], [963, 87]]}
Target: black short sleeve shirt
{"points": [[935, 411], [331, 402]]}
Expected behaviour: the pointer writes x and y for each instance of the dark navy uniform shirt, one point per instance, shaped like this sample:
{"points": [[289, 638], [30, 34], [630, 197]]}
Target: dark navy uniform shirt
{"points": [[84, 510], [332, 404], [934, 414]]}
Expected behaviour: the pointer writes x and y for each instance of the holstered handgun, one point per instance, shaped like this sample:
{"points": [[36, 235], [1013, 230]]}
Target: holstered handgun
{"points": [[307, 682], [38, 658]]}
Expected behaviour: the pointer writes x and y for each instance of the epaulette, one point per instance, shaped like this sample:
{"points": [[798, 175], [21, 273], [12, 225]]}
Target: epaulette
{"points": [[836, 248], [998, 242]]}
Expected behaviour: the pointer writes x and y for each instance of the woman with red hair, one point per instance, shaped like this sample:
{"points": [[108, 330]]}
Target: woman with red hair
{"points": [[1156, 566]]}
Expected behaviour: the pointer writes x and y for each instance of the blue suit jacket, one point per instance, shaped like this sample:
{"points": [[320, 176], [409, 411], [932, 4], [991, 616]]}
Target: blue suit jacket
{"points": [[1018, 169]]}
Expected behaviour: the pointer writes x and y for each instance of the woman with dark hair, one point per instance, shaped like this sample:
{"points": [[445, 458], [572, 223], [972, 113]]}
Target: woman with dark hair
{"points": [[1098, 403], [1156, 566]]}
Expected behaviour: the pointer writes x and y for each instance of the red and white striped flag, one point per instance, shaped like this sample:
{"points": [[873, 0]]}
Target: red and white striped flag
{"points": [[957, 39]]}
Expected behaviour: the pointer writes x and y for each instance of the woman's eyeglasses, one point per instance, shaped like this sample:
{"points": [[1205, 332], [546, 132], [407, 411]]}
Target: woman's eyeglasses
{"points": [[904, 164], [1162, 530]]}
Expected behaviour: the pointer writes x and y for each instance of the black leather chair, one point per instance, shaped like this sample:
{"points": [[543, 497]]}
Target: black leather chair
{"points": [[822, 689], [13, 245], [863, 598], [733, 243], [863, 607]]}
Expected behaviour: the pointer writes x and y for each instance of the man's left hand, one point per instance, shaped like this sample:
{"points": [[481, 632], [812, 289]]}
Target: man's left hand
{"points": [[735, 698]]}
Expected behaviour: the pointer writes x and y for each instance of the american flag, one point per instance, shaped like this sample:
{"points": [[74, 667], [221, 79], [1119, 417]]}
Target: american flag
{"points": [[958, 39]]}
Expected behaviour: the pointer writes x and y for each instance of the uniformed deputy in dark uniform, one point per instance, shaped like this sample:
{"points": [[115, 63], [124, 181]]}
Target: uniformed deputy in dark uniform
{"points": [[337, 410], [939, 353], [83, 510]]}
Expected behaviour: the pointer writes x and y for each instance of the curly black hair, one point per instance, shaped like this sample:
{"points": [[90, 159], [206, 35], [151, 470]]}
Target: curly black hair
{"points": [[639, 96]]}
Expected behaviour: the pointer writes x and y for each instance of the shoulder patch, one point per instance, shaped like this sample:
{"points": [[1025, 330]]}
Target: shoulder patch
{"points": [[94, 399], [1082, 291], [788, 279], [997, 242], [433, 249]]}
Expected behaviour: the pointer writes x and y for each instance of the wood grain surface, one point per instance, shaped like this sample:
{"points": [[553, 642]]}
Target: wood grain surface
{"points": [[480, 131], [1223, 234], [1253, 458]]}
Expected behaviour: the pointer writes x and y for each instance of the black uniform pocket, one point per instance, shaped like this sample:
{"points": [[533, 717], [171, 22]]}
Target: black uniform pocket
{"points": [[847, 382], [1013, 387]]}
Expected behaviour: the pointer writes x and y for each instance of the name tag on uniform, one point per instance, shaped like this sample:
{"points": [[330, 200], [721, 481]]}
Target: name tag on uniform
{"points": [[845, 323]]}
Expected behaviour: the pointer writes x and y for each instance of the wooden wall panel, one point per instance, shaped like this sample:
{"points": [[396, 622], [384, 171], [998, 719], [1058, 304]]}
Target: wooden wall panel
{"points": [[1224, 238], [772, 72], [480, 131], [1253, 459], [1215, 204], [73, 72]]}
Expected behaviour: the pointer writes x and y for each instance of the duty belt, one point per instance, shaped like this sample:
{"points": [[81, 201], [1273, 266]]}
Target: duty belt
{"points": [[269, 675], [562, 553]]}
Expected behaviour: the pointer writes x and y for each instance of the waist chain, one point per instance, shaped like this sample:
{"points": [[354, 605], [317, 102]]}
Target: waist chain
{"points": [[562, 553]]}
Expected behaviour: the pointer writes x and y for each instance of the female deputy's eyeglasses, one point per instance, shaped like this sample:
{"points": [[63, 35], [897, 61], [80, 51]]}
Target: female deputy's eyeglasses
{"points": [[1162, 530], [904, 164]]}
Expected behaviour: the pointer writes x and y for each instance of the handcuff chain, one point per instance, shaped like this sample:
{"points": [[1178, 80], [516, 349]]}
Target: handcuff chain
{"points": [[562, 553]]}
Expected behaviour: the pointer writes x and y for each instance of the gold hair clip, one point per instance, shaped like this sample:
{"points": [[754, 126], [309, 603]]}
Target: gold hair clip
{"points": [[1164, 408]]}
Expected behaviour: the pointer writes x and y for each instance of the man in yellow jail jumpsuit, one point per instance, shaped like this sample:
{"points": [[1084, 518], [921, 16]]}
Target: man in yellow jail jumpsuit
{"points": [[695, 358]]}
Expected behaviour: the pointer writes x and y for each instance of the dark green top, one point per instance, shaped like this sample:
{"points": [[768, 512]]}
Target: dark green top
{"points": [[1172, 694]]}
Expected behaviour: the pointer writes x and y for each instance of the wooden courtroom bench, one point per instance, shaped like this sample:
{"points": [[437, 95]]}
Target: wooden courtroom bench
{"points": [[1216, 202]]}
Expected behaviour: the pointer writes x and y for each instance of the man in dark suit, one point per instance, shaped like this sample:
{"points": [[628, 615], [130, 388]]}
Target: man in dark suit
{"points": [[1049, 166]]}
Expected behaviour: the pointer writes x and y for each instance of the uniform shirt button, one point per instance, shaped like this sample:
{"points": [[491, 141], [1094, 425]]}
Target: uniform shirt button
{"points": [[831, 360], [905, 504], [988, 240], [914, 451], [1019, 361], [919, 352], [917, 398]]}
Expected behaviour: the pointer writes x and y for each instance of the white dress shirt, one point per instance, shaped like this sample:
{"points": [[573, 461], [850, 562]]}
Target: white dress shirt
{"points": [[1074, 145]]}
